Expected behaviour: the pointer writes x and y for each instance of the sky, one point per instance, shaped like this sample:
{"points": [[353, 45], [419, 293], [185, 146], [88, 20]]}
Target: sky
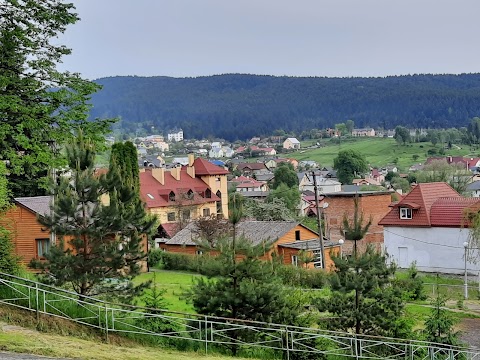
{"points": [[333, 38]]}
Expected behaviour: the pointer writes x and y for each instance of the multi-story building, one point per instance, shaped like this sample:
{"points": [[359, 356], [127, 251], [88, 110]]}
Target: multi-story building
{"points": [[175, 135], [185, 193]]}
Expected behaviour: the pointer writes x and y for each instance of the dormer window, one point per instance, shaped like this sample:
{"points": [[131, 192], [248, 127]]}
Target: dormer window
{"points": [[171, 196], [208, 194], [190, 194], [405, 213]]}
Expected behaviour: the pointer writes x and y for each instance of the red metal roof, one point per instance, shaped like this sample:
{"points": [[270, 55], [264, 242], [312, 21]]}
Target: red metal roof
{"points": [[452, 211], [424, 195], [204, 167], [157, 195]]}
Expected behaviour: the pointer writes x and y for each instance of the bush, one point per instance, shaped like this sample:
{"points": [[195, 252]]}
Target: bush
{"points": [[154, 257], [412, 285], [177, 261], [300, 277]]}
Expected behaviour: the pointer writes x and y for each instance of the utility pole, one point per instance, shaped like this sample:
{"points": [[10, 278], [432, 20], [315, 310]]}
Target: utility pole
{"points": [[319, 221]]}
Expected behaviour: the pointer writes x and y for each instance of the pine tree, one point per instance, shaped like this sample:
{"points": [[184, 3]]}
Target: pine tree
{"points": [[364, 298], [100, 246], [356, 230], [439, 324]]}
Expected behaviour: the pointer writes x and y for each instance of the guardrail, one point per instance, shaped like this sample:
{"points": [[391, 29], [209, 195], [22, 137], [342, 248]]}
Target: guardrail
{"points": [[210, 333]]}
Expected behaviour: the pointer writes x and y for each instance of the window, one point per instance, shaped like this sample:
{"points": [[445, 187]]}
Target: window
{"points": [[43, 245], [294, 260], [297, 235], [171, 196], [208, 194], [405, 213], [199, 252], [186, 214], [317, 259], [206, 212], [171, 216], [190, 194]]}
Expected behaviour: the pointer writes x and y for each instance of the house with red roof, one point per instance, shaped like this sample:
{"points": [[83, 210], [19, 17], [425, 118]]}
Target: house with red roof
{"points": [[428, 226], [184, 193]]}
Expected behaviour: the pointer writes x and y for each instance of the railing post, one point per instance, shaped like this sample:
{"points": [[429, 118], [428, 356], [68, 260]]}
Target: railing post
{"points": [[37, 313], [206, 335], [106, 323], [286, 341]]}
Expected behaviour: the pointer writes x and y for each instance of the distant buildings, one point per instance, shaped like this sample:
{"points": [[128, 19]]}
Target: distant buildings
{"points": [[175, 135], [363, 132], [291, 143]]}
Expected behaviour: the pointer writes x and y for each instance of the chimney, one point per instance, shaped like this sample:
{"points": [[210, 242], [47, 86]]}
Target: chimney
{"points": [[175, 172], [191, 171], [159, 175], [191, 159]]}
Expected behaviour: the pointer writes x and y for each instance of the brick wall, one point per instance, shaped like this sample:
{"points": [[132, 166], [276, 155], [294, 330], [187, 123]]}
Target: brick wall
{"points": [[376, 206]]}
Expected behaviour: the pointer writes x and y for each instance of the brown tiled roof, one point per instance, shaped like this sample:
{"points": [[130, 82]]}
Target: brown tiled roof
{"points": [[252, 166], [423, 196], [40, 205], [156, 195], [204, 167], [451, 211]]}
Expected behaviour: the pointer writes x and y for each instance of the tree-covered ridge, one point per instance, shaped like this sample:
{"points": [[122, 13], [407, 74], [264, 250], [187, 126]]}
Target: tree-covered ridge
{"points": [[238, 106]]}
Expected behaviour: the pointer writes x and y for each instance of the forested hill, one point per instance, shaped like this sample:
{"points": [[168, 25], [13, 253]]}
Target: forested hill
{"points": [[240, 106]]}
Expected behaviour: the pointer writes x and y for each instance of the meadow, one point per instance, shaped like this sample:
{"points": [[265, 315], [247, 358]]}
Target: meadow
{"points": [[379, 152]]}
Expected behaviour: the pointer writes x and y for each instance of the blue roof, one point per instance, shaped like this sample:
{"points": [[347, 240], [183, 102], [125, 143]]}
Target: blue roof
{"points": [[217, 162]]}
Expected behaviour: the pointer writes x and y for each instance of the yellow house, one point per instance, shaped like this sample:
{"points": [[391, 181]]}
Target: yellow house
{"points": [[185, 193]]}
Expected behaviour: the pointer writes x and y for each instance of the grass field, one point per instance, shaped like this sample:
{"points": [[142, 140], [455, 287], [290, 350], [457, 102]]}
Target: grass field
{"points": [[174, 283], [378, 152]]}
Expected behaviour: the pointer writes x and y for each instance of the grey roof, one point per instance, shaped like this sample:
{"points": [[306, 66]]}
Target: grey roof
{"points": [[254, 193], [312, 244], [38, 204], [264, 177], [256, 231], [474, 186]]}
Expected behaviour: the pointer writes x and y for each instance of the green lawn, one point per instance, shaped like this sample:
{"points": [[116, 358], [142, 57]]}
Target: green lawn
{"points": [[378, 151], [174, 283]]}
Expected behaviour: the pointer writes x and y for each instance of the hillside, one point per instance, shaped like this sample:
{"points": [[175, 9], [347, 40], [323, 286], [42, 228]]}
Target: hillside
{"points": [[379, 152], [239, 106]]}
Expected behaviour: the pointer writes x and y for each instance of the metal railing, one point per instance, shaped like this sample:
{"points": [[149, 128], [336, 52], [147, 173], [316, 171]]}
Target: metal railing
{"points": [[211, 333]]}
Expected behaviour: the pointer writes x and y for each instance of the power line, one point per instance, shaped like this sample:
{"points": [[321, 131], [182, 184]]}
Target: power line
{"points": [[429, 243]]}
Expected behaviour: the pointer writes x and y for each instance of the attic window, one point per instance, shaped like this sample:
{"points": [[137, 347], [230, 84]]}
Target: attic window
{"points": [[208, 194], [190, 194], [150, 196], [171, 196], [405, 213]]}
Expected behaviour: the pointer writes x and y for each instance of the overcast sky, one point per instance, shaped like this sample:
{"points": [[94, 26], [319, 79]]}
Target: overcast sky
{"points": [[276, 37]]}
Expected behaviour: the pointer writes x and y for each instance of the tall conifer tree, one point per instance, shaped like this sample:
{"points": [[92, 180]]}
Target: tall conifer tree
{"points": [[100, 240]]}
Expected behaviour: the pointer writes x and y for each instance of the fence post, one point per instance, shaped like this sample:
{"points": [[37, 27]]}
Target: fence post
{"points": [[286, 341], [106, 323], [37, 313], [206, 335]]}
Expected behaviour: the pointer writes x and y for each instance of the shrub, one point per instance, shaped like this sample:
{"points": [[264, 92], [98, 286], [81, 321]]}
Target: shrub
{"points": [[412, 285], [301, 277]]}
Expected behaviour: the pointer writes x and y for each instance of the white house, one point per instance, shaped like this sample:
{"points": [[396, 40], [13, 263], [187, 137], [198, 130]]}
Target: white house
{"points": [[175, 135], [474, 189], [291, 143], [324, 185], [428, 226]]}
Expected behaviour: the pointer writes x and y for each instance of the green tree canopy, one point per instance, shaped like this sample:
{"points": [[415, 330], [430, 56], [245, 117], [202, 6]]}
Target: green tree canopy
{"points": [[289, 196], [39, 106], [349, 164], [285, 174], [100, 245], [402, 135], [350, 124]]}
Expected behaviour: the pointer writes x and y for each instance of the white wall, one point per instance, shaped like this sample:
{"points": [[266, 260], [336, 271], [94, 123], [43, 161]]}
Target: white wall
{"points": [[428, 253]]}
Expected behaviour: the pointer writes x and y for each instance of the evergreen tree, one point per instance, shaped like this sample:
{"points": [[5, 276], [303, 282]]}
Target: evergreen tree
{"points": [[100, 241], [356, 230], [241, 286], [364, 299], [39, 105], [439, 324], [124, 157], [9, 262], [285, 174]]}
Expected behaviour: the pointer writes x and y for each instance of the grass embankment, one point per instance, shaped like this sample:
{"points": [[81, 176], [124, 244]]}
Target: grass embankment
{"points": [[378, 152], [77, 341], [174, 283]]}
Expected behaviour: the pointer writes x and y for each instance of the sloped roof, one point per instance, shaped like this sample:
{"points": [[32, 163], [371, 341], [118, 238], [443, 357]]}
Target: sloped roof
{"points": [[156, 195], [451, 211], [255, 231], [204, 167], [253, 166], [293, 140], [40, 205], [424, 195]]}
